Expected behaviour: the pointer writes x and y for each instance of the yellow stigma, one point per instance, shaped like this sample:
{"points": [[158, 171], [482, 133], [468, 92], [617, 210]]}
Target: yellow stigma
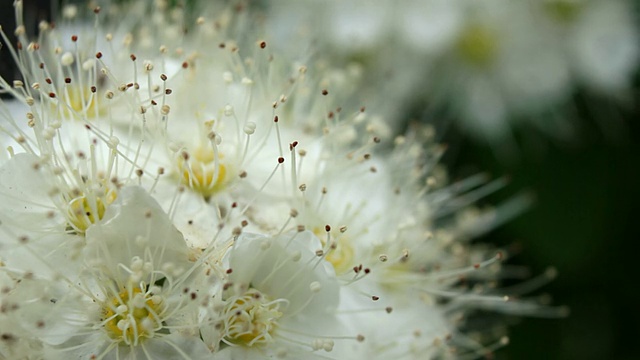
{"points": [[477, 45], [201, 172], [251, 319], [82, 102], [132, 315], [84, 211], [563, 10]]}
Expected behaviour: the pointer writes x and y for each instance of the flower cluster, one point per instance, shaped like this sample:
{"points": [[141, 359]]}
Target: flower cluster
{"points": [[482, 62], [173, 189]]}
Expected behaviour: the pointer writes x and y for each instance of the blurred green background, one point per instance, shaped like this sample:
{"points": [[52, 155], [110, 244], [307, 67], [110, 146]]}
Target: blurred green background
{"points": [[585, 223]]}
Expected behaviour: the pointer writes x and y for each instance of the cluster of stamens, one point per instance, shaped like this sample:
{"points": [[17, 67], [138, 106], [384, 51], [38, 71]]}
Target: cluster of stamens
{"points": [[251, 319], [132, 315]]}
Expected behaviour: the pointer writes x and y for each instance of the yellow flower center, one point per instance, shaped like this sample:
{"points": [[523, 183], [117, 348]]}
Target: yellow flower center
{"points": [[477, 45], [251, 319], [563, 11], [201, 172], [84, 211], [340, 253], [132, 315], [82, 102]]}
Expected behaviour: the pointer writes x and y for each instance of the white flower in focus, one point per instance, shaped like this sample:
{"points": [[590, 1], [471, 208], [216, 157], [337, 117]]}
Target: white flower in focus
{"points": [[133, 292], [280, 303]]}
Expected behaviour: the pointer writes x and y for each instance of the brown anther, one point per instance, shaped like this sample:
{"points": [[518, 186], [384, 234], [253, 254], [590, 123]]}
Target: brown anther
{"points": [[185, 65], [327, 228], [244, 223], [48, 81], [132, 57], [139, 172], [280, 160], [98, 55], [263, 44], [163, 77], [52, 95], [93, 89], [275, 119], [168, 91], [96, 10], [375, 298], [74, 38], [325, 92], [388, 309]]}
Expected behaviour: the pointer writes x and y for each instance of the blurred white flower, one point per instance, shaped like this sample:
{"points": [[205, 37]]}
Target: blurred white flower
{"points": [[487, 63]]}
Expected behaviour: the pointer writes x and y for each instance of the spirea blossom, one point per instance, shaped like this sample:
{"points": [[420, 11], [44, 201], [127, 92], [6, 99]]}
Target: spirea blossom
{"points": [[173, 188]]}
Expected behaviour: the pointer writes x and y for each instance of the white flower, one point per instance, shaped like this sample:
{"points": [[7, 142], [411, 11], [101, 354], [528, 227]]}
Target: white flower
{"points": [[134, 289], [281, 303]]}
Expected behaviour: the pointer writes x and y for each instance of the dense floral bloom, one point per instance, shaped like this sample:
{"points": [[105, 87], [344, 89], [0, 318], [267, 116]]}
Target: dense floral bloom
{"points": [[175, 188]]}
